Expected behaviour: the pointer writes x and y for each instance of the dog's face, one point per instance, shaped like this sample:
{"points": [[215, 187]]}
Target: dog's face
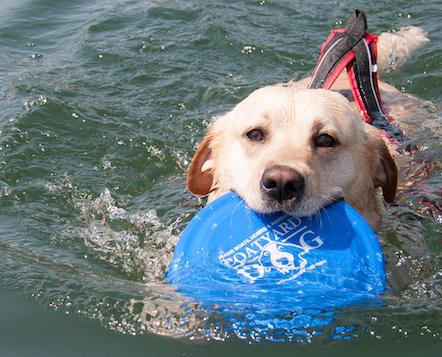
{"points": [[295, 150]]}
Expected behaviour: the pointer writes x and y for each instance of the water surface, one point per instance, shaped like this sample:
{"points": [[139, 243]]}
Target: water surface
{"points": [[102, 105]]}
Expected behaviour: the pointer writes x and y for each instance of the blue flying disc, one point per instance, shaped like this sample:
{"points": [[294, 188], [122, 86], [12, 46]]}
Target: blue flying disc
{"points": [[265, 267]]}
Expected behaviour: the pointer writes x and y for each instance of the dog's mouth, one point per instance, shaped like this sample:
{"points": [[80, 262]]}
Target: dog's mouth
{"points": [[284, 188], [271, 205], [307, 205]]}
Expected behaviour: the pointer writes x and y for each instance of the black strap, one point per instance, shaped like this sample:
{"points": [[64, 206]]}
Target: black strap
{"points": [[366, 81]]}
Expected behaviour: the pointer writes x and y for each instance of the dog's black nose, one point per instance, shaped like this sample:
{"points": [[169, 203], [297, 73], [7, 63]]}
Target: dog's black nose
{"points": [[282, 183]]}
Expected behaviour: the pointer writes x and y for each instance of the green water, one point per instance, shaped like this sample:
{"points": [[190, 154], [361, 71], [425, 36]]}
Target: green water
{"points": [[102, 105]]}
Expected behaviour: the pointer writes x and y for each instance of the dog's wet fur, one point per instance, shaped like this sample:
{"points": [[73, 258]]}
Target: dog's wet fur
{"points": [[293, 149]]}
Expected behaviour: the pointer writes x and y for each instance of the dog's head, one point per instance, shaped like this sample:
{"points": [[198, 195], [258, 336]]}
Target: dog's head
{"points": [[295, 150]]}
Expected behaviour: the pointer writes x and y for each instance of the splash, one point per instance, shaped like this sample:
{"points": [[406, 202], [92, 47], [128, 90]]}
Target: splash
{"points": [[137, 243]]}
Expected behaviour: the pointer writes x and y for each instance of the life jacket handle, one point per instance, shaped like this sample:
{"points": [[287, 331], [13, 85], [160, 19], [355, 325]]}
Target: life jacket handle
{"points": [[354, 49]]}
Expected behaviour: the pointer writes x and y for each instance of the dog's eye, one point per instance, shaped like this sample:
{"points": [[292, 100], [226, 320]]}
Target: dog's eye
{"points": [[255, 135], [325, 141]]}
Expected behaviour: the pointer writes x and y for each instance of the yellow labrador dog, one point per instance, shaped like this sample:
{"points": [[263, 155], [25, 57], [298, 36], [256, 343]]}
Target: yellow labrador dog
{"points": [[293, 149]]}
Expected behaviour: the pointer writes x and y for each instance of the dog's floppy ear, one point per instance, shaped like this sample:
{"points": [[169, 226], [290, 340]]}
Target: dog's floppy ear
{"points": [[200, 173], [385, 171]]}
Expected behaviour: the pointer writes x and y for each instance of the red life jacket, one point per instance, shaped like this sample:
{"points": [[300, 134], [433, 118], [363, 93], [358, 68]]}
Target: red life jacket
{"points": [[356, 50]]}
